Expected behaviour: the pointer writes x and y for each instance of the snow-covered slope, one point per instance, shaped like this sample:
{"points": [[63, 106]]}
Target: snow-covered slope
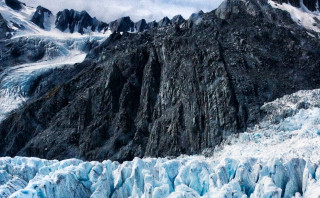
{"points": [[62, 48], [20, 22], [302, 16], [278, 158], [16, 81]]}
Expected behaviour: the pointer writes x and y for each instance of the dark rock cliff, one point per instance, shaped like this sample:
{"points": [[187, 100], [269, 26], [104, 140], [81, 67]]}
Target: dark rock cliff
{"points": [[15, 4], [4, 29], [38, 17], [123, 24], [141, 25], [169, 91], [164, 22]]}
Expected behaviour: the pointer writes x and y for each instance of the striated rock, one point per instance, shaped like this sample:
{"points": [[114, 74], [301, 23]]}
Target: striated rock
{"points": [[42, 18], [169, 91], [123, 24]]}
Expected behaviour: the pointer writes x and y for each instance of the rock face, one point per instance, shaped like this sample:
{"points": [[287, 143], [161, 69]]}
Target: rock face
{"points": [[82, 22], [153, 24], [123, 24], [4, 29], [164, 22], [169, 91], [177, 20], [141, 25], [42, 18], [194, 19], [14, 4]]}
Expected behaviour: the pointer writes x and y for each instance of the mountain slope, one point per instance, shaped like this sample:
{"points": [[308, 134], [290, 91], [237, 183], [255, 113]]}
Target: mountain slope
{"points": [[170, 91]]}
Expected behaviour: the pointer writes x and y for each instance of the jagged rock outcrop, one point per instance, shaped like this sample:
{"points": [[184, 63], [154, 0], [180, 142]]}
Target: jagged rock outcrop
{"points": [[194, 19], [164, 22], [153, 24], [123, 24], [177, 20], [169, 91], [82, 22], [141, 25], [42, 18], [15, 4], [102, 27], [4, 29]]}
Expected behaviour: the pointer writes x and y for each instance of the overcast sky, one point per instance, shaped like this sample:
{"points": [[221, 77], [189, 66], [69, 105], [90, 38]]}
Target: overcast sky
{"points": [[108, 10]]}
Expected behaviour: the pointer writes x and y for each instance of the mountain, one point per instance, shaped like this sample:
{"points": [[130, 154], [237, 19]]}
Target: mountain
{"points": [[168, 91], [42, 17], [123, 24], [233, 92]]}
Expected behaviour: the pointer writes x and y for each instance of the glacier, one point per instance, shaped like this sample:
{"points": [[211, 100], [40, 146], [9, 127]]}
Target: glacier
{"points": [[279, 157], [61, 49]]}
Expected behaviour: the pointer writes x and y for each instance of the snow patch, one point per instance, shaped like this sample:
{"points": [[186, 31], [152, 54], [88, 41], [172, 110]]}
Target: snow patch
{"points": [[302, 16]]}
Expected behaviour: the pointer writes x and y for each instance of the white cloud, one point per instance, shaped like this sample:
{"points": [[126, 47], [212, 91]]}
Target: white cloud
{"points": [[108, 10]]}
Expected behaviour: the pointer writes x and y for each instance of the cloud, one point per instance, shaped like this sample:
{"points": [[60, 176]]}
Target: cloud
{"points": [[108, 10]]}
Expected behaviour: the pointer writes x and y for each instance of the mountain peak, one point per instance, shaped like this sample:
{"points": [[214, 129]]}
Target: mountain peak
{"points": [[4, 29], [42, 18]]}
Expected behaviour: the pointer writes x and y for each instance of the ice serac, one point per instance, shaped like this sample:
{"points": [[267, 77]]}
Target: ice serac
{"points": [[123, 24], [42, 18], [279, 157], [169, 91], [74, 21]]}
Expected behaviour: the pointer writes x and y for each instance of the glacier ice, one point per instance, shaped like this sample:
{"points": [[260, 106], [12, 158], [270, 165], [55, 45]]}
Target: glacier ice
{"points": [[277, 158], [60, 49]]}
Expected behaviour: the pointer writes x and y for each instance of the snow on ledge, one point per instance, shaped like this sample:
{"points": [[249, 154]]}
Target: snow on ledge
{"points": [[302, 16]]}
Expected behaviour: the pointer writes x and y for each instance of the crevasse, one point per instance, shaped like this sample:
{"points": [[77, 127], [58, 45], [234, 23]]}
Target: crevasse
{"points": [[277, 158]]}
